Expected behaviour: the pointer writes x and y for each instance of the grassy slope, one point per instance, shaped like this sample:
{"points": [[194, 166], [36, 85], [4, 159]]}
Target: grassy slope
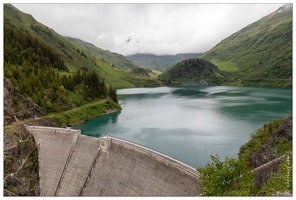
{"points": [[113, 59], [260, 53], [84, 113]]}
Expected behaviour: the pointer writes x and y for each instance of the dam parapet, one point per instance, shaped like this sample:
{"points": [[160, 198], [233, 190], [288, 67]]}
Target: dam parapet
{"points": [[71, 164]]}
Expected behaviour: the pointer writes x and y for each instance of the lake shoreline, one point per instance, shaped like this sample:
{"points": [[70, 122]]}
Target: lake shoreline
{"points": [[84, 113], [184, 121]]}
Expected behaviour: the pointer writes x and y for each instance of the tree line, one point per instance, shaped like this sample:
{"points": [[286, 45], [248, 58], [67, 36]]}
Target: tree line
{"points": [[41, 74]]}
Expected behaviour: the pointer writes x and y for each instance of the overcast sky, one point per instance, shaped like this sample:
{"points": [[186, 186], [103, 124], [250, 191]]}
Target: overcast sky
{"points": [[149, 28]]}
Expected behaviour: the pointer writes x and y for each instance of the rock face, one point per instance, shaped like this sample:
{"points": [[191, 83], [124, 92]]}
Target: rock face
{"points": [[17, 106], [265, 153], [266, 156]]}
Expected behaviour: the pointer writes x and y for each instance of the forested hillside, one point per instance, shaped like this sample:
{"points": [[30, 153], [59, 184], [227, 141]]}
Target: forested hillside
{"points": [[113, 68], [193, 71], [40, 72], [259, 54], [58, 73]]}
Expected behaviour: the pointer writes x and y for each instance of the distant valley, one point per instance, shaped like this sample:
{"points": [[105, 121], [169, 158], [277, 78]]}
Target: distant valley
{"points": [[160, 63]]}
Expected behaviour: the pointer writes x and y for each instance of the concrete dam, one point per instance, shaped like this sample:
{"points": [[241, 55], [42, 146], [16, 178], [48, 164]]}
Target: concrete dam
{"points": [[71, 164]]}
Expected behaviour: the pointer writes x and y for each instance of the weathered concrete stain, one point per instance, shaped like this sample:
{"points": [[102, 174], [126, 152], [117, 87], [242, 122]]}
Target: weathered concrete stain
{"points": [[71, 164]]}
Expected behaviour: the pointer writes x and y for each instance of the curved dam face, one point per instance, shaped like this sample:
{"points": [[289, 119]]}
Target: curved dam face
{"points": [[71, 164]]}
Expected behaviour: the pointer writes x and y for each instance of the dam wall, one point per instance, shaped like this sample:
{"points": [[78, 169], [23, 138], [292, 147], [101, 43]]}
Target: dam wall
{"points": [[71, 164]]}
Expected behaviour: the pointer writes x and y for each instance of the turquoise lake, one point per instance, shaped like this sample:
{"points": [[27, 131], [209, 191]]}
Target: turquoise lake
{"points": [[190, 123]]}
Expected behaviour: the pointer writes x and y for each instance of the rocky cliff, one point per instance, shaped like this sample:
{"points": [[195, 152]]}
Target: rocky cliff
{"points": [[268, 151], [17, 106]]}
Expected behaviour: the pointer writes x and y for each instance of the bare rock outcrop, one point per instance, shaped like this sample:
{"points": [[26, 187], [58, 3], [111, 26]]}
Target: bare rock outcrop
{"points": [[266, 153], [17, 106]]}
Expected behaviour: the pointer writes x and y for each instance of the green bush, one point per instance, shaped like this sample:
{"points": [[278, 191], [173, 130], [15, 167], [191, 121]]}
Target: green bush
{"points": [[60, 120], [257, 140], [228, 178]]}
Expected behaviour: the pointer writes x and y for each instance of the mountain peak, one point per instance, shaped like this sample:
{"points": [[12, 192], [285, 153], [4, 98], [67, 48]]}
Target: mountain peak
{"points": [[285, 6]]}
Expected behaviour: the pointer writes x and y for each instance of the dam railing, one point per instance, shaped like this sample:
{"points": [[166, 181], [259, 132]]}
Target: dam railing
{"points": [[156, 154], [52, 128]]}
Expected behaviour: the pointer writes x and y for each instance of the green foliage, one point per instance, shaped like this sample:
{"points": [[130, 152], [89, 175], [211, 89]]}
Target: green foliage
{"points": [[59, 119], [280, 181], [116, 60], [35, 68], [258, 138], [48, 105], [20, 47], [84, 113], [110, 104], [233, 177], [226, 178], [283, 145], [192, 71], [111, 67], [226, 66], [140, 71], [112, 94]]}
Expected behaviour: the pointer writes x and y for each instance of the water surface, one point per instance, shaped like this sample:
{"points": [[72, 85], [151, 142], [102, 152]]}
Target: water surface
{"points": [[191, 123]]}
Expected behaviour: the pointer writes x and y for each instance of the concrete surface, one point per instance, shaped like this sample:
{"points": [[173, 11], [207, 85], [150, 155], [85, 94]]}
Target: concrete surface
{"points": [[71, 164]]}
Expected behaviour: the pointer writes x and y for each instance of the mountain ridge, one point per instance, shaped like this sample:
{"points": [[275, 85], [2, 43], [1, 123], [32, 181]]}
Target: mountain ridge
{"points": [[260, 54], [121, 61], [113, 68]]}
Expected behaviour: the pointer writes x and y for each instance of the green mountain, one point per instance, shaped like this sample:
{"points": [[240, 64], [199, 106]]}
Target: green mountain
{"points": [[56, 73], [194, 71], [159, 63], [113, 68], [259, 54]]}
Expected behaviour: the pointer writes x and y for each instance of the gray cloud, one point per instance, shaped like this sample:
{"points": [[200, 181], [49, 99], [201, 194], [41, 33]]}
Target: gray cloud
{"points": [[149, 28]]}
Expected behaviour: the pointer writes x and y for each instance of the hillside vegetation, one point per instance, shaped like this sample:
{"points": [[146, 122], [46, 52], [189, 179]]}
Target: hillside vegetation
{"points": [[59, 73], [233, 177], [111, 67], [160, 63], [35, 69], [193, 71], [259, 54], [111, 58]]}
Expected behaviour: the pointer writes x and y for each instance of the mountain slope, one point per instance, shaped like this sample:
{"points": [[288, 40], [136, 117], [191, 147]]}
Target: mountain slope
{"points": [[159, 63], [118, 60], [259, 54], [193, 71], [77, 55]]}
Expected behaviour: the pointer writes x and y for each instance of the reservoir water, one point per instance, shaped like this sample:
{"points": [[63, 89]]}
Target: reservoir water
{"points": [[190, 123]]}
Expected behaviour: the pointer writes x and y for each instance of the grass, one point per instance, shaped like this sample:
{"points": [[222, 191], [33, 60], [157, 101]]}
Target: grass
{"points": [[157, 73], [226, 66], [83, 113]]}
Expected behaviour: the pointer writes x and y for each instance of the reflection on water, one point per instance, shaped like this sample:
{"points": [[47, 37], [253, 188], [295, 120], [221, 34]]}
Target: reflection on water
{"points": [[190, 123]]}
